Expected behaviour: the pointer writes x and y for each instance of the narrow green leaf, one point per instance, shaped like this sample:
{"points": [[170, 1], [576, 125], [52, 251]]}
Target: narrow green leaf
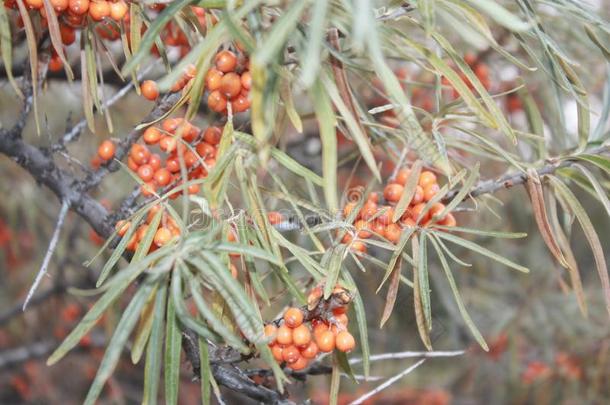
{"points": [[119, 339], [206, 373], [116, 286], [6, 47], [408, 192], [173, 347], [501, 15], [390, 299], [143, 329], [600, 161], [327, 122], [480, 232], [152, 369], [362, 326], [424, 282], [334, 268], [464, 190], [585, 222], [481, 250], [400, 247]]}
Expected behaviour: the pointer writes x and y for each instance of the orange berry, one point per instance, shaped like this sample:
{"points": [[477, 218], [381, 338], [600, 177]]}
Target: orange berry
{"points": [[212, 135], [470, 58], [230, 85], [162, 236], [284, 335], [435, 210], [430, 191], [345, 342], [240, 104], [133, 166], [319, 327], [152, 212], [301, 335], [193, 189], [132, 244], [68, 34], [190, 158], [385, 218], [122, 227], [299, 364], [359, 246], [225, 61], [246, 80], [402, 176], [340, 310], [270, 331], [141, 232], [59, 5], [393, 192], [374, 197], [205, 150], [418, 196], [326, 341], [98, 10], [408, 222], [217, 102], [152, 135], [55, 64], [168, 143], [449, 220], [293, 317], [172, 164], [35, 4], [368, 211], [171, 124], [106, 150], [155, 161], [377, 228], [425, 178], [118, 10], [362, 227], [146, 172], [78, 7], [148, 189], [149, 89], [310, 351], [290, 354], [275, 217], [417, 210], [139, 154], [277, 352], [349, 207], [212, 79], [392, 233]]}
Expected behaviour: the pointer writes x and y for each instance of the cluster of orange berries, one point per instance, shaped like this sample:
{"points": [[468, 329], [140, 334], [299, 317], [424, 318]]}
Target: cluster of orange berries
{"points": [[228, 83], [167, 230], [297, 341], [373, 219], [199, 156]]}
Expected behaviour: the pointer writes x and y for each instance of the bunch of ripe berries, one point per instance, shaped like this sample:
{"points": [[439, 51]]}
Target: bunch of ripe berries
{"points": [[374, 219], [171, 137], [228, 83], [167, 230], [302, 334], [107, 16]]}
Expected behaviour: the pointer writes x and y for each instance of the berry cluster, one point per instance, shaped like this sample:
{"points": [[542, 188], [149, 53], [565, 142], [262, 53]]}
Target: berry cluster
{"points": [[229, 82], [166, 231], [108, 16], [373, 219], [199, 156], [297, 340]]}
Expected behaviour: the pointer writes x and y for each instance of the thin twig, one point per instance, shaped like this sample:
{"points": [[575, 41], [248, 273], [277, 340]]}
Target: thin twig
{"points": [[52, 245], [409, 354], [387, 383], [82, 124]]}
